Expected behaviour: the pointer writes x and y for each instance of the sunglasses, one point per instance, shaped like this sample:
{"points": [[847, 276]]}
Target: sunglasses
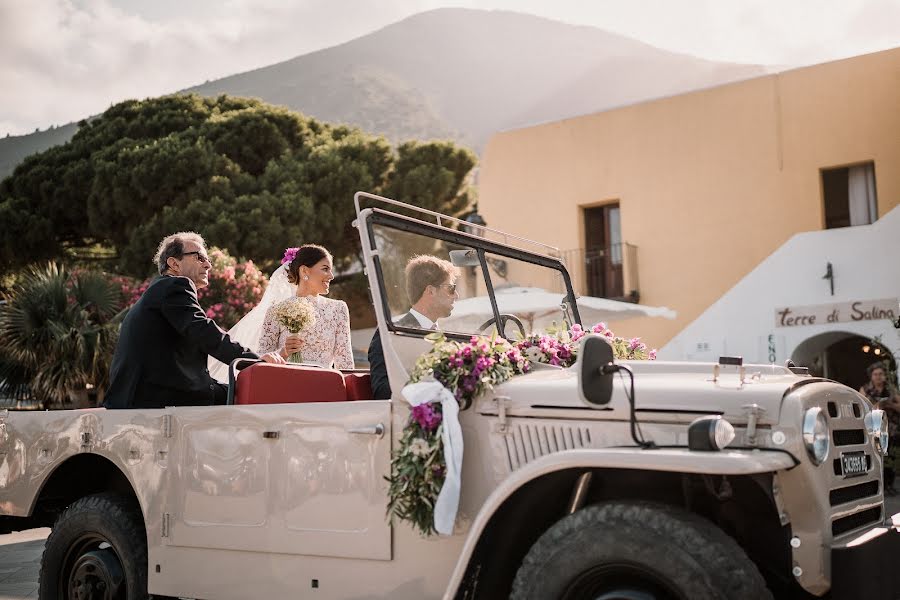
{"points": [[200, 256], [449, 286]]}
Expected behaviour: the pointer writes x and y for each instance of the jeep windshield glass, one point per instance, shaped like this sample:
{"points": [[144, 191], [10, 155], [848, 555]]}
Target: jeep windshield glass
{"points": [[530, 297]]}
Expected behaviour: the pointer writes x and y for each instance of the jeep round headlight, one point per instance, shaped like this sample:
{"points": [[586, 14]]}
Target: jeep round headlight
{"points": [[815, 434], [877, 428]]}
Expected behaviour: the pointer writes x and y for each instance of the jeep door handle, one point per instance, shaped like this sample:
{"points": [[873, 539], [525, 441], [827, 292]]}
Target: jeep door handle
{"points": [[377, 429]]}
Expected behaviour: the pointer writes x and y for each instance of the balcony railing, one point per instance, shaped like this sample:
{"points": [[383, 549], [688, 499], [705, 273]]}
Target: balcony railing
{"points": [[604, 272]]}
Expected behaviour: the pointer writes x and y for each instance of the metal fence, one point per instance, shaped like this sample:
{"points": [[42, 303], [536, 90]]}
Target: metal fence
{"points": [[604, 272]]}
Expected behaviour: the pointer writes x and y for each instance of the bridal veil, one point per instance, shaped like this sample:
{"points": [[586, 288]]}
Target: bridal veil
{"points": [[247, 331]]}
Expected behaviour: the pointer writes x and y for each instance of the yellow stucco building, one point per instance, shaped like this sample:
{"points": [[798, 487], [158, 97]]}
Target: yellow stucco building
{"points": [[674, 201]]}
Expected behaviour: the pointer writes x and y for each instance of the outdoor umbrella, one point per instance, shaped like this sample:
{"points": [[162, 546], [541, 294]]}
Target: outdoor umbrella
{"points": [[537, 308]]}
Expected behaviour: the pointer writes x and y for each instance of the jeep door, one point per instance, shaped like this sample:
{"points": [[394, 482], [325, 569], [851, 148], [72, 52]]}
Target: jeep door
{"points": [[287, 478]]}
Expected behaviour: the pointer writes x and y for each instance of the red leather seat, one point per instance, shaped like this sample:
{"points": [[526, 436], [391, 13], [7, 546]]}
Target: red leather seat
{"points": [[263, 383], [359, 386]]}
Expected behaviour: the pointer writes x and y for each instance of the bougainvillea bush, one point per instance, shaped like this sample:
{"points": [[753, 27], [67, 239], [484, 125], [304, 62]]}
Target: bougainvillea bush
{"points": [[234, 288]]}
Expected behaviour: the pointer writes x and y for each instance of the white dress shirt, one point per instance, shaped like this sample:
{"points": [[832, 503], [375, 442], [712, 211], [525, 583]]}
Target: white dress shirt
{"points": [[424, 321]]}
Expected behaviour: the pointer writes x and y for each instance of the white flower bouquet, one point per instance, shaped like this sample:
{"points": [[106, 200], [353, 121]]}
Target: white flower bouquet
{"points": [[295, 315]]}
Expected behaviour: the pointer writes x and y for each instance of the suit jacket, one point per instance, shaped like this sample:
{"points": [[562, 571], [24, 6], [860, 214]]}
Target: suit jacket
{"points": [[381, 387], [161, 355]]}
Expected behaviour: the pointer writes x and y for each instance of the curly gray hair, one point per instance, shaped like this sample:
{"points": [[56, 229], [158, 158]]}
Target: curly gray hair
{"points": [[172, 246]]}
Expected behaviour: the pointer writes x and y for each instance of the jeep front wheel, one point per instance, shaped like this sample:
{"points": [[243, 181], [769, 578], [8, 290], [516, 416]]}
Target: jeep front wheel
{"points": [[637, 551], [97, 550]]}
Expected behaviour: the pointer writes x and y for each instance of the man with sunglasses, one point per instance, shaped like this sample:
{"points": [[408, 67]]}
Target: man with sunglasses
{"points": [[166, 338], [431, 288]]}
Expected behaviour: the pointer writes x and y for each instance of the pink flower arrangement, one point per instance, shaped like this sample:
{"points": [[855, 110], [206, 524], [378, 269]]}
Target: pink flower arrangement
{"points": [[289, 254], [549, 349], [466, 369], [427, 417], [623, 349]]}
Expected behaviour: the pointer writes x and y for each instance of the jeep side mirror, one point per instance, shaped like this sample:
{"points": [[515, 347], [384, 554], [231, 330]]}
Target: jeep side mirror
{"points": [[595, 380], [464, 258]]}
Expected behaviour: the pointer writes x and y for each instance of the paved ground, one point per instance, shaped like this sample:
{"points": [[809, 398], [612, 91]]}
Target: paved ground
{"points": [[20, 557]]}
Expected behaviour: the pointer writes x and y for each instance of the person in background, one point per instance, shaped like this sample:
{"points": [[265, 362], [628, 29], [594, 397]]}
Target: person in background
{"points": [[883, 395]]}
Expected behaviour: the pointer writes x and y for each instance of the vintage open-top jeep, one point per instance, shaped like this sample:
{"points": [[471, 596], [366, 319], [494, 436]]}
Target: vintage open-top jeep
{"points": [[601, 480]]}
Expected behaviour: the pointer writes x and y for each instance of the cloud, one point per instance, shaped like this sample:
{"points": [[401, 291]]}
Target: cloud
{"points": [[63, 60]]}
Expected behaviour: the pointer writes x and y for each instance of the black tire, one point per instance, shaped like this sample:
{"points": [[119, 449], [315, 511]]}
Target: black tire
{"points": [[98, 547], [637, 551]]}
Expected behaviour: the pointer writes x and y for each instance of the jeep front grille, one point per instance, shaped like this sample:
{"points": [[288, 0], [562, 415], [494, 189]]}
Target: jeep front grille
{"points": [[856, 520], [528, 441], [855, 500], [848, 437], [850, 493]]}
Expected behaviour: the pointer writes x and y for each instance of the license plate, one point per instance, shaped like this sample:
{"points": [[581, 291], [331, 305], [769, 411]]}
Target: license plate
{"points": [[853, 463]]}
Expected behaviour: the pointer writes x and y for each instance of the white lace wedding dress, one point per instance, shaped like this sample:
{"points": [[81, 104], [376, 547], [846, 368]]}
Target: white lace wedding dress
{"points": [[328, 341], [325, 343]]}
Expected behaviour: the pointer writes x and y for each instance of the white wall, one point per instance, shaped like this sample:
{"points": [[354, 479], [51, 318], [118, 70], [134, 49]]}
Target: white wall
{"points": [[866, 266]]}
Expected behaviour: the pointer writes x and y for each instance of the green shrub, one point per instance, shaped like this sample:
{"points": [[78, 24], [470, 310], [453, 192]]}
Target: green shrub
{"points": [[58, 331]]}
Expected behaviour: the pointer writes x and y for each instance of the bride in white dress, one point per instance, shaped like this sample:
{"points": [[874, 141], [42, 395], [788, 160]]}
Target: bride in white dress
{"points": [[304, 276]]}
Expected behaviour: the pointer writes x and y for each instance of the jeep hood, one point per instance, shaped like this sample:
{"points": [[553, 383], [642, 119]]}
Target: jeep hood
{"points": [[671, 391]]}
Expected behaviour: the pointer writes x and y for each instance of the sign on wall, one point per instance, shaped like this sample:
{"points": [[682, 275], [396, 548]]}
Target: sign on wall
{"points": [[771, 348], [845, 312]]}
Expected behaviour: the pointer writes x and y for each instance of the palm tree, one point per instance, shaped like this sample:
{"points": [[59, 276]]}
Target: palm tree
{"points": [[59, 330]]}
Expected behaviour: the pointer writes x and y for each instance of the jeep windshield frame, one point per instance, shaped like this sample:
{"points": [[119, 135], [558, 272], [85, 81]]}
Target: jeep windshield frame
{"points": [[371, 217]]}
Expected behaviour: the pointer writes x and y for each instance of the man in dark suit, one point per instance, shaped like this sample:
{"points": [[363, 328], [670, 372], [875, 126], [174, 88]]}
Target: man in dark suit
{"points": [[431, 287], [161, 355]]}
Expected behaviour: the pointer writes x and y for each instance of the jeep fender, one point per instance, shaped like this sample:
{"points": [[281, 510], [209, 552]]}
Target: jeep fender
{"points": [[675, 460]]}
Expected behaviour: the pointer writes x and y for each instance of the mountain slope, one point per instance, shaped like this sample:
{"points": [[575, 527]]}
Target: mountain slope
{"points": [[480, 72], [14, 149]]}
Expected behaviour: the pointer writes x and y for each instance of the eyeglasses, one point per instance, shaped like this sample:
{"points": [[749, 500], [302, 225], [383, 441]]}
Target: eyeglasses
{"points": [[449, 286], [200, 256]]}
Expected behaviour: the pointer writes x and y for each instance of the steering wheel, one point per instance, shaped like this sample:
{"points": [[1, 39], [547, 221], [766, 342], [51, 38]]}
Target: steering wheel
{"points": [[504, 317]]}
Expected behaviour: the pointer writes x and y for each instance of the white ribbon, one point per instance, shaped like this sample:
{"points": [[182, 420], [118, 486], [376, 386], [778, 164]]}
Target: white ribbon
{"points": [[448, 499]]}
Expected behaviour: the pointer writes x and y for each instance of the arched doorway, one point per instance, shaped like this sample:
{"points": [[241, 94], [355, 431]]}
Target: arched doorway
{"points": [[842, 356]]}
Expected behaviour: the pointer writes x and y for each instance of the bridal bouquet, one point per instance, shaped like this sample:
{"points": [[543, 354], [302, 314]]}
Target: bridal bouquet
{"points": [[295, 315]]}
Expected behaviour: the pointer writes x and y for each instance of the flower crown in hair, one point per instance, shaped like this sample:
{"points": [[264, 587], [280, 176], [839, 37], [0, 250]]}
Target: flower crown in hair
{"points": [[289, 254]]}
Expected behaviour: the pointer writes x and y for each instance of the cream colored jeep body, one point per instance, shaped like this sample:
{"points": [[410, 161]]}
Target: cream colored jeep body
{"points": [[287, 499]]}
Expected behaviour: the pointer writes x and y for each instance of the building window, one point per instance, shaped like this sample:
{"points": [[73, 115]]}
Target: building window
{"points": [[603, 251], [849, 195]]}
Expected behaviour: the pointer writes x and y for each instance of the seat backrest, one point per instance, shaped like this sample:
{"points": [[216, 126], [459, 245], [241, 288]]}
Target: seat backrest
{"points": [[359, 386], [263, 383]]}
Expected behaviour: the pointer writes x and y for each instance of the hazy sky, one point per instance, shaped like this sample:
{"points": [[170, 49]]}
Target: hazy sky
{"points": [[61, 60]]}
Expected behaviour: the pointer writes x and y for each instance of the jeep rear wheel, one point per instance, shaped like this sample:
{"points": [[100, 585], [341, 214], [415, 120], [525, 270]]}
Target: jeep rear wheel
{"points": [[97, 550], [637, 551]]}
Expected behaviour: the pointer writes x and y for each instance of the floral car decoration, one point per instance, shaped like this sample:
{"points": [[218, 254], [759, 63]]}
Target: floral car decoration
{"points": [[418, 468], [467, 369]]}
